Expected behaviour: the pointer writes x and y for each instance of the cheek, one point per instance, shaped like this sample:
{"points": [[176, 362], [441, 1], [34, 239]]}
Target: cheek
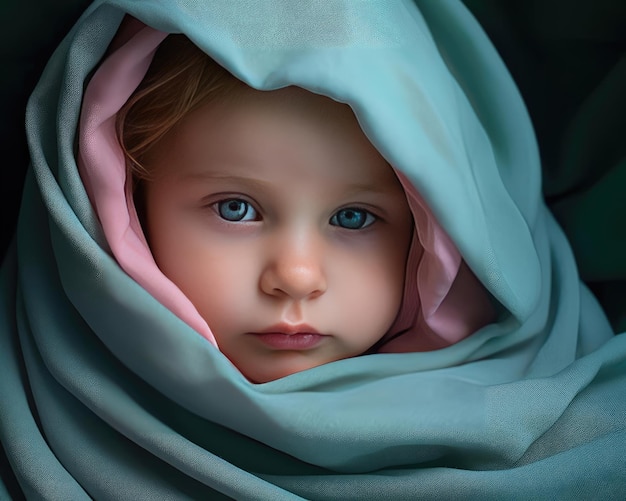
{"points": [[213, 277], [218, 284], [390, 275], [371, 288], [218, 292], [212, 274]]}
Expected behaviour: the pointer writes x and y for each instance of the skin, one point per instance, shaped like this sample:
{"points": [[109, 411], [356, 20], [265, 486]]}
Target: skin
{"points": [[320, 248]]}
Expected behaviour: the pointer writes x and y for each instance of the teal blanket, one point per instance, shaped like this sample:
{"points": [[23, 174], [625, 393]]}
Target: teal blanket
{"points": [[106, 394]]}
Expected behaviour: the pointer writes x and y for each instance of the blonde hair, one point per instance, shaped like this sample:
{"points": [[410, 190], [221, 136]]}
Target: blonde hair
{"points": [[180, 79]]}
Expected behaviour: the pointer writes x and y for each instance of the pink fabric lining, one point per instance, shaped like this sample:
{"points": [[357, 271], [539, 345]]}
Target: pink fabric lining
{"points": [[443, 300], [103, 170]]}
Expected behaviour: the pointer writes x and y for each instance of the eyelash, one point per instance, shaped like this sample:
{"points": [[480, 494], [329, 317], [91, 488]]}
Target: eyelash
{"points": [[364, 218]]}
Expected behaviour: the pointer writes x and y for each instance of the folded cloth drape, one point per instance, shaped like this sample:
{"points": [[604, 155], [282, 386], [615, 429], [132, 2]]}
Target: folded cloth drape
{"points": [[106, 393]]}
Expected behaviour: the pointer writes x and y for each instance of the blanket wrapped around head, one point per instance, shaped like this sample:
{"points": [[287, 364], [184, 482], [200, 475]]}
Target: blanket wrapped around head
{"points": [[113, 388]]}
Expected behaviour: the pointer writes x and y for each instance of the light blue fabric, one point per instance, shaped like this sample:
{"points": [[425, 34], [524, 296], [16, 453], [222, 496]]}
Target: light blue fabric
{"points": [[106, 394]]}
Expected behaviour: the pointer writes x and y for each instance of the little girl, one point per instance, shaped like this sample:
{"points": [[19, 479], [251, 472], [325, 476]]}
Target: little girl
{"points": [[276, 250], [278, 202]]}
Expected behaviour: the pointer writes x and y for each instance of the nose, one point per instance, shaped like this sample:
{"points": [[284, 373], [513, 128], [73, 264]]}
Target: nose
{"points": [[294, 269]]}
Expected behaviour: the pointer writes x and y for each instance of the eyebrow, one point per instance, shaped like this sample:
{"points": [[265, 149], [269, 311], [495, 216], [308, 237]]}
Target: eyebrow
{"points": [[356, 188], [353, 189], [212, 176], [207, 174]]}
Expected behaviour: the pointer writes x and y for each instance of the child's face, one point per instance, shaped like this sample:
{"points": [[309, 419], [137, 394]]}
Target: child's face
{"points": [[284, 226]]}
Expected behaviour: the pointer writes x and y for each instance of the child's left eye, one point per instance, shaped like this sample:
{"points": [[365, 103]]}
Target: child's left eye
{"points": [[352, 219], [235, 210]]}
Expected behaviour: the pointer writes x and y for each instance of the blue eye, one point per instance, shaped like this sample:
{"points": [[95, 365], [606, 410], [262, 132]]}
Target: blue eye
{"points": [[352, 219], [235, 209]]}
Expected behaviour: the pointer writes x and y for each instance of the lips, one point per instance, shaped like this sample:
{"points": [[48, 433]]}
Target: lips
{"points": [[290, 337]]}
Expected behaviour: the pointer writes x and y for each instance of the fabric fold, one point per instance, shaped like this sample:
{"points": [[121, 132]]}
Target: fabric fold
{"points": [[108, 391]]}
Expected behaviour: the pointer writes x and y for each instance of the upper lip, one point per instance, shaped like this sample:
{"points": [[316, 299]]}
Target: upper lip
{"points": [[289, 329]]}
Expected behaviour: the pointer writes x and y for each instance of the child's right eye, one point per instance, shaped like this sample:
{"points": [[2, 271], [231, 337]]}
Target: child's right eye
{"points": [[235, 209]]}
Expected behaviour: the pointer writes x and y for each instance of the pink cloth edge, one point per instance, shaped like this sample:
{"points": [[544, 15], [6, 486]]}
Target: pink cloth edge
{"points": [[103, 170]]}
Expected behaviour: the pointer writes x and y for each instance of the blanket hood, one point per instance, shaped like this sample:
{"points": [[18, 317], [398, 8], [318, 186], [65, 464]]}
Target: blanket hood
{"points": [[443, 302], [97, 368]]}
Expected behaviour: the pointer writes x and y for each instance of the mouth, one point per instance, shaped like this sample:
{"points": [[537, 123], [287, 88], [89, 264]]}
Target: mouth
{"points": [[290, 337]]}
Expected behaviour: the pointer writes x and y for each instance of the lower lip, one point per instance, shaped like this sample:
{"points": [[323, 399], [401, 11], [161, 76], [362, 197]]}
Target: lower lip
{"points": [[300, 341]]}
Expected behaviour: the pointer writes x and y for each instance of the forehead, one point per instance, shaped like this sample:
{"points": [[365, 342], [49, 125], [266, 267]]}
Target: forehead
{"points": [[290, 132]]}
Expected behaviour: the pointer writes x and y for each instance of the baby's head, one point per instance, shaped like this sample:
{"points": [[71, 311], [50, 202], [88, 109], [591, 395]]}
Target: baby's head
{"points": [[270, 210]]}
